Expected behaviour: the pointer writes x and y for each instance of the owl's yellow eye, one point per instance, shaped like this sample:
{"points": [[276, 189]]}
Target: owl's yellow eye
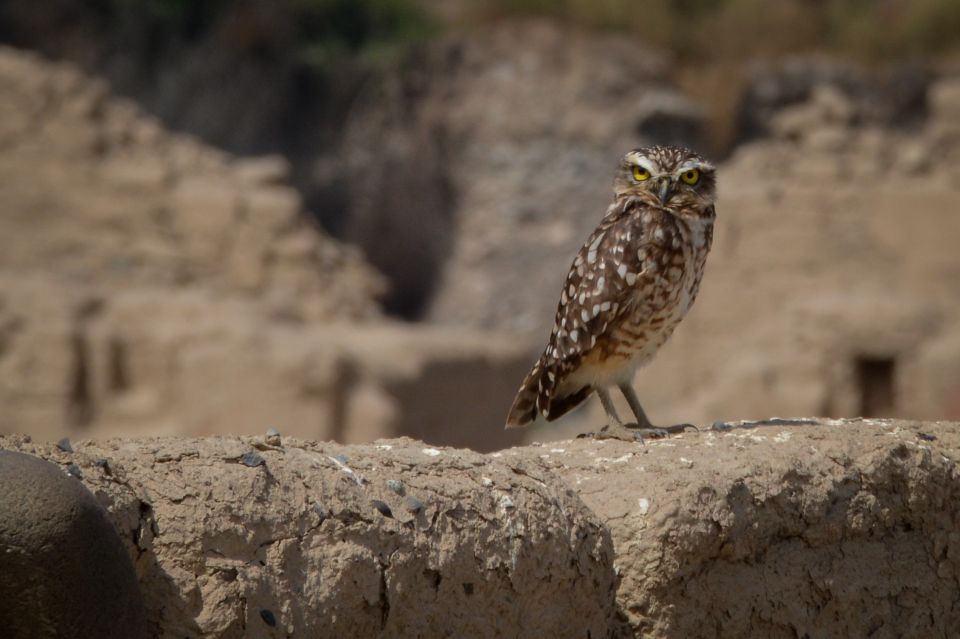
{"points": [[640, 174], [691, 176]]}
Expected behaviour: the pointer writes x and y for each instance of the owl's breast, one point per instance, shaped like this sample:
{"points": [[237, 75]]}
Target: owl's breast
{"points": [[673, 264]]}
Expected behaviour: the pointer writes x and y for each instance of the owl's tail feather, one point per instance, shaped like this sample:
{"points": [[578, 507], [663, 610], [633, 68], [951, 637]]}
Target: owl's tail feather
{"points": [[534, 396], [560, 406], [524, 409]]}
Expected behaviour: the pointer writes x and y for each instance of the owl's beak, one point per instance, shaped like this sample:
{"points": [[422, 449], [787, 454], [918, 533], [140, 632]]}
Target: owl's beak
{"points": [[665, 190]]}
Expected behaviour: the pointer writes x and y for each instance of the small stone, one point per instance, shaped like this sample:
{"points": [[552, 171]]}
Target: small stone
{"points": [[268, 618], [927, 437], [252, 460], [104, 464], [721, 426], [74, 471], [343, 459], [64, 445], [273, 436], [487, 482], [383, 508], [413, 504], [395, 485]]}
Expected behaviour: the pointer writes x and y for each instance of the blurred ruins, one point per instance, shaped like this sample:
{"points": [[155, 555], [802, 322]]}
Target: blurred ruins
{"points": [[211, 227]]}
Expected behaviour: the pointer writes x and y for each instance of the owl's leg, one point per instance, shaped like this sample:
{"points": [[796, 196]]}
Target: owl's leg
{"points": [[643, 422], [614, 428]]}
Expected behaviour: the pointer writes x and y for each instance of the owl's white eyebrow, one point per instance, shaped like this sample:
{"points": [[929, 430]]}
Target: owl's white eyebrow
{"points": [[694, 164], [647, 164]]}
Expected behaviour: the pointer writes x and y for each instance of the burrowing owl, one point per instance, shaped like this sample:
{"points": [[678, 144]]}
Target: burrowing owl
{"points": [[630, 285]]}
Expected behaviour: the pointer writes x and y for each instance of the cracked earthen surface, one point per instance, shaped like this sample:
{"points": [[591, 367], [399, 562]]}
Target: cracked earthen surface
{"points": [[829, 528], [841, 529], [236, 537]]}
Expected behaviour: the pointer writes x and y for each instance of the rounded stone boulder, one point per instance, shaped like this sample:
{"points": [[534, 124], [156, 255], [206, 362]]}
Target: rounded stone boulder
{"points": [[63, 569]]}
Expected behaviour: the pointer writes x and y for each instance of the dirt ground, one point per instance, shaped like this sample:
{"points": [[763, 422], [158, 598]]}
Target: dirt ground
{"points": [[782, 529]]}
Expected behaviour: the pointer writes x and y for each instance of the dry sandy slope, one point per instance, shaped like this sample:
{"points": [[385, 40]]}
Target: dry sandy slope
{"points": [[827, 529]]}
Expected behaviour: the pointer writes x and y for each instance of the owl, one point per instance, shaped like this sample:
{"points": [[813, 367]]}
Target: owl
{"points": [[629, 286]]}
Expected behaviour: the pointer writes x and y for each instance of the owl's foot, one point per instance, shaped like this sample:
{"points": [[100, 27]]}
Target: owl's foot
{"points": [[659, 432], [618, 431], [634, 432], [653, 432]]}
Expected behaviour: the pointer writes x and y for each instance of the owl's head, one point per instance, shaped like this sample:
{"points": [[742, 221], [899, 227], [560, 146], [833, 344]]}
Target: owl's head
{"points": [[669, 177]]}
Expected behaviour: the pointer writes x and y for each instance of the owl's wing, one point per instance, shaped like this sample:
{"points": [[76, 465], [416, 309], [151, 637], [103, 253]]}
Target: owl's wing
{"points": [[598, 292]]}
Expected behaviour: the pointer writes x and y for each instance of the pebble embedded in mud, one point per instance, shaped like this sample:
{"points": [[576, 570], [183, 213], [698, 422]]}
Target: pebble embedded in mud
{"points": [[252, 460], [413, 504], [382, 508], [273, 437], [268, 618], [395, 485]]}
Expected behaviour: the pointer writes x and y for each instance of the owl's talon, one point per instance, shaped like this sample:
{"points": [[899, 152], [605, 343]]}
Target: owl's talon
{"points": [[681, 428], [677, 429]]}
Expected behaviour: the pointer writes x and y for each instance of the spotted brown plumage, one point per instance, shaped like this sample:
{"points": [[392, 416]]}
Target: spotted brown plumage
{"points": [[629, 286]]}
